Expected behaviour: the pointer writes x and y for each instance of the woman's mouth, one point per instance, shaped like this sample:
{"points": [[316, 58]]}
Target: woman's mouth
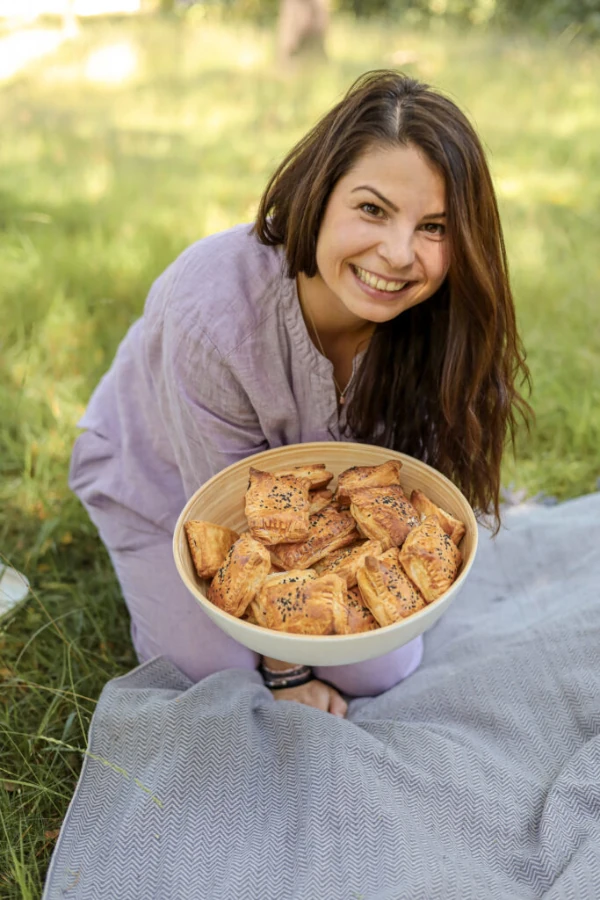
{"points": [[376, 285]]}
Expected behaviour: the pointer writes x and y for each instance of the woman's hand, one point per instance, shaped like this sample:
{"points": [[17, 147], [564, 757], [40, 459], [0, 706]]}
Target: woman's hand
{"points": [[315, 693]]}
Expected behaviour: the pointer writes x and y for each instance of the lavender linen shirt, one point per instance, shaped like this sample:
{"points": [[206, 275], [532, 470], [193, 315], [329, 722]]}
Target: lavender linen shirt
{"points": [[220, 366]]}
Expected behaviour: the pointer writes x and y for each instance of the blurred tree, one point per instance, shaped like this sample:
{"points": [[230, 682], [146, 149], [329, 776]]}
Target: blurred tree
{"points": [[303, 23], [363, 8], [301, 28], [550, 15]]}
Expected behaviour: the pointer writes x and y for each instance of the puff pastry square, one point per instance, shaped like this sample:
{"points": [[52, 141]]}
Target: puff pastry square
{"points": [[250, 617], [209, 545], [316, 474], [390, 555], [367, 476], [353, 617], [282, 584], [347, 561], [241, 576], [299, 603], [383, 514], [319, 500], [328, 531], [430, 558], [386, 590], [277, 507], [426, 507]]}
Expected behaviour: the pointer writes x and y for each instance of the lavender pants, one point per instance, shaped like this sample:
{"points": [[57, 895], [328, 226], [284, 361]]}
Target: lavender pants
{"points": [[166, 620]]}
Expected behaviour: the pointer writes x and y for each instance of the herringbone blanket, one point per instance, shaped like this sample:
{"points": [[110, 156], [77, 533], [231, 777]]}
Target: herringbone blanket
{"points": [[478, 777]]}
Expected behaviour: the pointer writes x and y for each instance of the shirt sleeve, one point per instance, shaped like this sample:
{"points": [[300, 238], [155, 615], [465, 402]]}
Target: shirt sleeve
{"points": [[203, 406]]}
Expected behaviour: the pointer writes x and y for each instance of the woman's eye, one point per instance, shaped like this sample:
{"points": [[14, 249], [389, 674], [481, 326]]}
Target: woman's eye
{"points": [[437, 229], [371, 209]]}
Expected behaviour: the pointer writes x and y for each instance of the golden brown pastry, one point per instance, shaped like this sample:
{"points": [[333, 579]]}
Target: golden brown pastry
{"points": [[316, 473], [353, 617], [241, 576], [367, 476], [383, 514], [430, 558], [250, 617], [319, 500], [346, 561], [390, 555], [209, 545], [277, 507], [299, 603], [386, 590], [426, 507], [328, 531], [277, 583]]}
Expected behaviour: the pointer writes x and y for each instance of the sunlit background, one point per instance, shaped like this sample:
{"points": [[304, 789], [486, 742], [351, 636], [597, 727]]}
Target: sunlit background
{"points": [[129, 129]]}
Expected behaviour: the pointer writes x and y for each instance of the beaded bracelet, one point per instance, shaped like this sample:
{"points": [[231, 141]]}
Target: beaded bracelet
{"points": [[285, 678]]}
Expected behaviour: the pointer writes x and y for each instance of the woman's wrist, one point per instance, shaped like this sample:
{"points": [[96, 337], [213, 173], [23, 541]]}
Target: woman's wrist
{"points": [[277, 674], [276, 665]]}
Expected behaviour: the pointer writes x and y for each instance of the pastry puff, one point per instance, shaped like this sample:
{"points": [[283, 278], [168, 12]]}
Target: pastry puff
{"points": [[209, 545], [250, 617], [300, 603], [430, 558], [426, 507], [241, 576], [383, 514], [328, 530], [386, 590], [353, 617], [367, 476], [316, 473], [277, 584], [277, 507], [345, 562], [319, 500]]}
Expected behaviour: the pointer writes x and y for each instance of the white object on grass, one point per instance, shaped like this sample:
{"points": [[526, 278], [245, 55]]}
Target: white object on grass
{"points": [[14, 587]]}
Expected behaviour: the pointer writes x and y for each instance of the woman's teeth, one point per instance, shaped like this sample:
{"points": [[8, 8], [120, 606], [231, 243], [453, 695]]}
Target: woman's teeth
{"points": [[379, 283]]}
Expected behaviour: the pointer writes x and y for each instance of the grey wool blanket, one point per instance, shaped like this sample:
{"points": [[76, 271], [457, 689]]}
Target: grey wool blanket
{"points": [[477, 778]]}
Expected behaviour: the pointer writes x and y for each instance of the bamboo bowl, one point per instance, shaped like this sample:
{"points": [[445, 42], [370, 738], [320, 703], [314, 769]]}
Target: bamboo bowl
{"points": [[221, 500]]}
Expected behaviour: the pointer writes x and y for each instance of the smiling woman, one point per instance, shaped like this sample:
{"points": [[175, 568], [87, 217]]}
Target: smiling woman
{"points": [[380, 249], [395, 181], [368, 302]]}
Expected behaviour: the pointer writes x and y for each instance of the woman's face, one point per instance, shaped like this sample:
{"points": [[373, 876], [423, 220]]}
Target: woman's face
{"points": [[382, 247]]}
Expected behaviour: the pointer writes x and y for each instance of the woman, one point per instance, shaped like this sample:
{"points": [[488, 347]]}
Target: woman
{"points": [[370, 301]]}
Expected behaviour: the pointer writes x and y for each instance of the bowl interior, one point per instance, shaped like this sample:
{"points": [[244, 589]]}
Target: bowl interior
{"points": [[221, 500]]}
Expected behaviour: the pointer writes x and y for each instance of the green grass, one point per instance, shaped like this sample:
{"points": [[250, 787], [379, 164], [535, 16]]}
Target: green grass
{"points": [[102, 185]]}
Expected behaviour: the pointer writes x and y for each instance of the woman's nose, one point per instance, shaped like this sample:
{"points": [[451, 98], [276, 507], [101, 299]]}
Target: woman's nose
{"points": [[397, 249]]}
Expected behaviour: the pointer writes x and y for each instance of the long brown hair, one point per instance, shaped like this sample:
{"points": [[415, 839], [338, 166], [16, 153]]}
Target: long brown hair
{"points": [[440, 381]]}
